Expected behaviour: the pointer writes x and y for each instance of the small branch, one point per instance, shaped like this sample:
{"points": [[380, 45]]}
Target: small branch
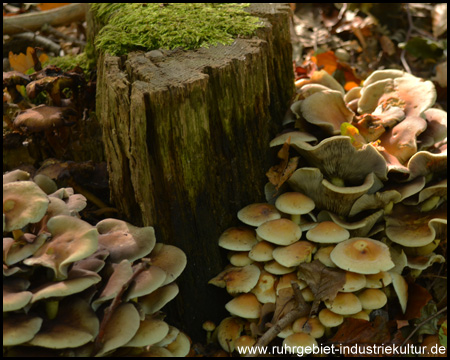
{"points": [[302, 309], [422, 323], [34, 21], [408, 36], [48, 29]]}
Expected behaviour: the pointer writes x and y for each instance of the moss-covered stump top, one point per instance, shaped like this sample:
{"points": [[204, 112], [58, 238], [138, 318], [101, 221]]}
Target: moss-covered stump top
{"points": [[150, 26]]}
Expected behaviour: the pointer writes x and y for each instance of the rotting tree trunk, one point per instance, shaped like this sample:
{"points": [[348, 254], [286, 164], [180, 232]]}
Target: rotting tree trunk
{"points": [[186, 137]]}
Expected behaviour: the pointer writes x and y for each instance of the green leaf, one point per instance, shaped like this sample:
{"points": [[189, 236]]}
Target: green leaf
{"points": [[424, 48], [443, 334]]}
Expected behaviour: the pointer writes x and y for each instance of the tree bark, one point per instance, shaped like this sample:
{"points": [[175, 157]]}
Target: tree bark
{"points": [[186, 136]]}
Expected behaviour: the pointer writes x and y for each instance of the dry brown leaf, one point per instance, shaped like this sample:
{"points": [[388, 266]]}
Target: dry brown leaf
{"points": [[284, 304], [323, 281], [418, 297], [279, 174]]}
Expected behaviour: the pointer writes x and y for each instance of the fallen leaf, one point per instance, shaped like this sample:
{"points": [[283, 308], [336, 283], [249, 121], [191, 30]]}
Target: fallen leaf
{"points": [[279, 174], [443, 334], [418, 297], [402, 323], [326, 61], [356, 331], [23, 63], [284, 304]]}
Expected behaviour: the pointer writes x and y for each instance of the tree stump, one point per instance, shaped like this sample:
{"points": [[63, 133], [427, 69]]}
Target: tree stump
{"points": [[186, 136]]}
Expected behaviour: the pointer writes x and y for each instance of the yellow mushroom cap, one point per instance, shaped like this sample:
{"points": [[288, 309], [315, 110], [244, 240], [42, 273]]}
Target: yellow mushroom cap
{"points": [[344, 304], [257, 214], [372, 299], [245, 305], [401, 289], [327, 232], [378, 280], [329, 318], [281, 232], [238, 239], [294, 254], [262, 251], [301, 339], [353, 282], [311, 326], [362, 255]]}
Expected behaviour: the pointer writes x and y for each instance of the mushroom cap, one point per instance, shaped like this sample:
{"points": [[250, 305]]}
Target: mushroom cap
{"points": [[19, 329], [344, 304], [23, 203], [120, 329], [353, 282], [237, 279], [294, 203], [295, 254], [238, 239], [286, 280], [15, 296], [372, 299], [151, 331], [155, 301], [244, 342], [265, 288], [280, 231], [327, 232], [208, 325], [228, 331], [258, 213], [26, 246], [329, 318], [275, 268], [146, 282], [309, 325], [125, 241], [362, 255], [169, 258], [300, 340], [401, 289], [262, 251], [245, 305], [323, 255], [239, 258], [378, 280], [72, 239], [75, 325], [181, 346]]}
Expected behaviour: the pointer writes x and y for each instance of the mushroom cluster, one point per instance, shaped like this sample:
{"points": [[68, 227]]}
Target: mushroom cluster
{"points": [[74, 289], [373, 164]]}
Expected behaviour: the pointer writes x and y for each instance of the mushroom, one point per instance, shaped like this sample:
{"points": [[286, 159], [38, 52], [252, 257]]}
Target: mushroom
{"points": [[300, 343], [209, 327], [344, 304], [151, 331], [372, 299], [43, 117], [180, 346], [23, 203], [238, 239], [295, 204], [228, 331], [309, 325], [362, 255], [125, 241], [244, 343], [239, 258], [72, 239], [330, 319], [327, 232], [15, 296], [257, 214], [237, 279], [245, 305], [354, 282], [279, 231], [169, 258], [295, 254], [401, 289], [75, 325], [262, 251], [155, 301], [19, 329], [265, 288]]}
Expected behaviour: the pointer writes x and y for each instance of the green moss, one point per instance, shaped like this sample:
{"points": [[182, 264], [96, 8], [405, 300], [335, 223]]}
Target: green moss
{"points": [[85, 60], [150, 26]]}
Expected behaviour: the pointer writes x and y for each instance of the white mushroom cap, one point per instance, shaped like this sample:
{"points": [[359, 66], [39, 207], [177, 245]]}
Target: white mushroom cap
{"points": [[362, 255], [344, 304], [280, 231], [327, 232], [257, 214], [238, 239], [294, 203], [245, 305]]}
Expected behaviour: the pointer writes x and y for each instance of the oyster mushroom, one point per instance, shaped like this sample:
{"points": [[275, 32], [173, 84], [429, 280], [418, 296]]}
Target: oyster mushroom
{"points": [[72, 239], [23, 203], [170, 259], [15, 295], [125, 241], [19, 329], [151, 331], [155, 301]]}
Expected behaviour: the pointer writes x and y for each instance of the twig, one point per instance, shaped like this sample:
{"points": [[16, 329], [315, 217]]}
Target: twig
{"points": [[48, 29], [34, 21], [408, 35], [115, 303], [422, 323], [302, 309]]}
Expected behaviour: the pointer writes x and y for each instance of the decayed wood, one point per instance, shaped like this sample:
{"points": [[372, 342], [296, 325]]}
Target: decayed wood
{"points": [[186, 137]]}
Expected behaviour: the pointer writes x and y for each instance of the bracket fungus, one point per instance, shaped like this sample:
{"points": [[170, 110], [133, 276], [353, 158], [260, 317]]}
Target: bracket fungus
{"points": [[102, 297]]}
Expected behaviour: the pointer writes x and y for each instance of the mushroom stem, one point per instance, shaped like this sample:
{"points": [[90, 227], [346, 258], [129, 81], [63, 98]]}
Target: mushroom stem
{"points": [[51, 308], [296, 218]]}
